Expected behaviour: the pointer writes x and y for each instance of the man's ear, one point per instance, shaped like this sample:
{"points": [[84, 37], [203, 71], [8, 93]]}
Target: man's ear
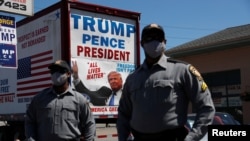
{"points": [[69, 74], [165, 41]]}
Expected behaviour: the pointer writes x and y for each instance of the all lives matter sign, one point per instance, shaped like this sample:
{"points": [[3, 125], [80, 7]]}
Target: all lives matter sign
{"points": [[230, 132], [8, 42], [21, 7]]}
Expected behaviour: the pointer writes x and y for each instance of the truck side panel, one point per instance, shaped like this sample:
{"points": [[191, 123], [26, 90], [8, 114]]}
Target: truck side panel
{"points": [[38, 45], [101, 39]]}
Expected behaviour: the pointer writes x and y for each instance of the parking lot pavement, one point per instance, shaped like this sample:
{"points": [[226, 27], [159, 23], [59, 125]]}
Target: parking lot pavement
{"points": [[101, 129], [104, 133]]}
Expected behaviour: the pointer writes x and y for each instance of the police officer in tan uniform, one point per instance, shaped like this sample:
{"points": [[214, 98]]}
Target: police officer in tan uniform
{"points": [[155, 98]]}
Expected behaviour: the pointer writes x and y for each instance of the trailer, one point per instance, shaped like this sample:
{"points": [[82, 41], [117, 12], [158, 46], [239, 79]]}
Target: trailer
{"points": [[99, 38]]}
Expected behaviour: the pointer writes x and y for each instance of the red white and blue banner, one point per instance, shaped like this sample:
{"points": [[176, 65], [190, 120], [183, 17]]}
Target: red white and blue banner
{"points": [[8, 41]]}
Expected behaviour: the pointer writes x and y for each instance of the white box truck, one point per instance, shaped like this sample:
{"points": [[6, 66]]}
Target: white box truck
{"points": [[99, 38]]}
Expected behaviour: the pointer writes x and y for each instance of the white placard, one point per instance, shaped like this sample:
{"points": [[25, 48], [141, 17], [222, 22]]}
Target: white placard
{"points": [[21, 7]]}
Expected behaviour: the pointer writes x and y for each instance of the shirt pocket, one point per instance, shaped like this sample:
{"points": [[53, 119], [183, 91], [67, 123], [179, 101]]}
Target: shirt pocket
{"points": [[44, 113], [164, 89], [69, 112], [136, 92]]}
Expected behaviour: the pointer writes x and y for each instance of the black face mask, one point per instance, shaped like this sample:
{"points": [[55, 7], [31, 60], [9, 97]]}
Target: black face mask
{"points": [[154, 48]]}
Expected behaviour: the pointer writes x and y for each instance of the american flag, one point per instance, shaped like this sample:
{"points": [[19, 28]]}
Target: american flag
{"points": [[33, 74]]}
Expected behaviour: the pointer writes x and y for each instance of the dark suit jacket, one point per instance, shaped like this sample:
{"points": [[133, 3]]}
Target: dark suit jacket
{"points": [[98, 97]]}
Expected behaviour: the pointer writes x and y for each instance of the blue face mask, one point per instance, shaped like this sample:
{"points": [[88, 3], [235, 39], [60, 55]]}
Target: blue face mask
{"points": [[154, 48]]}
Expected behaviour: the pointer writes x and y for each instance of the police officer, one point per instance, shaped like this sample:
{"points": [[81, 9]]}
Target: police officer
{"points": [[59, 113], [155, 98]]}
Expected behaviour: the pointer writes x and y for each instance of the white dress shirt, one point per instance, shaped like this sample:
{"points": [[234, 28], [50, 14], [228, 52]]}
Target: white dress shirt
{"points": [[116, 98]]}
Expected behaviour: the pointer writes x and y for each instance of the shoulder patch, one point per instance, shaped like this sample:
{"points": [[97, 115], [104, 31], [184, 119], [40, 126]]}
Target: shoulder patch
{"points": [[194, 71], [203, 86]]}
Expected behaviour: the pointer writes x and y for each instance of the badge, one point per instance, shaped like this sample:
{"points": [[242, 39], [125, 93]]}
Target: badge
{"points": [[195, 72], [203, 86]]}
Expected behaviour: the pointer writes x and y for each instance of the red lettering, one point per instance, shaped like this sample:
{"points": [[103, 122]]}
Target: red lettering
{"points": [[79, 50], [113, 109], [103, 53], [99, 109]]}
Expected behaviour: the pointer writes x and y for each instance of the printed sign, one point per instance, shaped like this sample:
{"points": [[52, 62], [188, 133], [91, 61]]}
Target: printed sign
{"points": [[101, 44], [8, 42], [21, 7]]}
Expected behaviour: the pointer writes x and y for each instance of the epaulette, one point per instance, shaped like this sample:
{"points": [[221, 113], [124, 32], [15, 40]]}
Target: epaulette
{"points": [[176, 61]]}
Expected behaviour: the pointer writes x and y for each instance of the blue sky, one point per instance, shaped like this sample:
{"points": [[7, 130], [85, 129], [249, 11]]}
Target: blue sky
{"points": [[182, 20]]}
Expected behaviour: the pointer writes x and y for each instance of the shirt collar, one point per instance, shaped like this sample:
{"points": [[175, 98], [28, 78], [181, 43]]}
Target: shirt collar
{"points": [[118, 92], [69, 91], [161, 62]]}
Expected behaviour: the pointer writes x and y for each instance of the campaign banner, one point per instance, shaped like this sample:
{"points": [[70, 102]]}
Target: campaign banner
{"points": [[101, 44], [8, 42]]}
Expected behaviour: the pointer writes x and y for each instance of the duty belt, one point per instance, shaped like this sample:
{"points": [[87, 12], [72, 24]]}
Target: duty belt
{"points": [[176, 134]]}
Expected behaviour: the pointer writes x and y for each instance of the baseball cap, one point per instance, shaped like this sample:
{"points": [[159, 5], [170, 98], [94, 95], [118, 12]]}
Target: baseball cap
{"points": [[152, 30], [59, 64]]}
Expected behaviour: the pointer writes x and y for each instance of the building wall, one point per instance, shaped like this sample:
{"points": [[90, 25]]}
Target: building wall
{"points": [[229, 59]]}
